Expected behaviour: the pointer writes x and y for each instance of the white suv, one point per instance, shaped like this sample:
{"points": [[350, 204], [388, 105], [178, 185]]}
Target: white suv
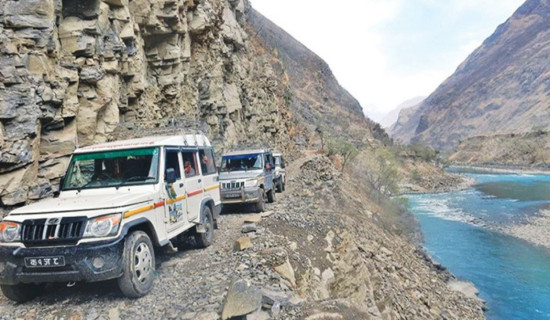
{"points": [[118, 202]]}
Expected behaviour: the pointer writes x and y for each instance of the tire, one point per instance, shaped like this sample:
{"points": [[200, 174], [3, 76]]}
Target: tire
{"points": [[279, 185], [138, 265], [260, 205], [205, 239], [271, 196], [22, 292]]}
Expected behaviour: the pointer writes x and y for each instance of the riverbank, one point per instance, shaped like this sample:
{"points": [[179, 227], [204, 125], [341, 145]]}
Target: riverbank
{"points": [[500, 169], [535, 229]]}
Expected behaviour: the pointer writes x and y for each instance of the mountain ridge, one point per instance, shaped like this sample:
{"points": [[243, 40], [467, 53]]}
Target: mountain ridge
{"points": [[502, 87]]}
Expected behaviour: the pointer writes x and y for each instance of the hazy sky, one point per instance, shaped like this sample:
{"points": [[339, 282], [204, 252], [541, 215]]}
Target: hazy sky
{"points": [[387, 51]]}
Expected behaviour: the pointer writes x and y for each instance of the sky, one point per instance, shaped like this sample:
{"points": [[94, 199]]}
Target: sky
{"points": [[387, 51]]}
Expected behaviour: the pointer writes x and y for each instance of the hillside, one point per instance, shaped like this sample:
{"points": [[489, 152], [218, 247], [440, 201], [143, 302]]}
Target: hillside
{"points": [[503, 86], [528, 150]]}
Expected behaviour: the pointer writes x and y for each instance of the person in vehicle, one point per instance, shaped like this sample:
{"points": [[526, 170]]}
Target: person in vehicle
{"points": [[189, 171]]}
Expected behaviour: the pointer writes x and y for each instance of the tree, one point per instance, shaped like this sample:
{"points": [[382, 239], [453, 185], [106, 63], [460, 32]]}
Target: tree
{"points": [[342, 148], [381, 173]]}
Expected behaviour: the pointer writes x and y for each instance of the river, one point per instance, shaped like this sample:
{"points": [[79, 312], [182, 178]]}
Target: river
{"points": [[512, 275]]}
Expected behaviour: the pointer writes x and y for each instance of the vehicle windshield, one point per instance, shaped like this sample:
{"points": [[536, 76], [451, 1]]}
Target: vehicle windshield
{"points": [[112, 169], [242, 162]]}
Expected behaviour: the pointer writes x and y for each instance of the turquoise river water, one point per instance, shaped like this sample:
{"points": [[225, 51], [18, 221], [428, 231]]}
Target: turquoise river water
{"points": [[512, 275]]}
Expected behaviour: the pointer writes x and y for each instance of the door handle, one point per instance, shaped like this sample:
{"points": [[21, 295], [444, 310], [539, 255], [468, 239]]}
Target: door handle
{"points": [[181, 184]]}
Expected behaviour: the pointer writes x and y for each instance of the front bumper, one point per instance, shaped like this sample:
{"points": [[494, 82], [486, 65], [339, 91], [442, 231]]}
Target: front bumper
{"points": [[243, 195], [79, 264]]}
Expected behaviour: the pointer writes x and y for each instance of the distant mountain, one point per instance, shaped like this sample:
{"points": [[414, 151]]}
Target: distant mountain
{"points": [[502, 87], [391, 117]]}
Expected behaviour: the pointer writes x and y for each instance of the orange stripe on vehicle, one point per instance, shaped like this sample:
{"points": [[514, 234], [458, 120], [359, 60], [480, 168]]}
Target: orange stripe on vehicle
{"points": [[194, 193], [138, 210], [176, 199], [143, 209], [212, 187]]}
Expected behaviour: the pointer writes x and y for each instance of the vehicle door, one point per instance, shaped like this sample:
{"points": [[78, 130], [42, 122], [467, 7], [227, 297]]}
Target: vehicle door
{"points": [[193, 183], [175, 204], [209, 175], [269, 169]]}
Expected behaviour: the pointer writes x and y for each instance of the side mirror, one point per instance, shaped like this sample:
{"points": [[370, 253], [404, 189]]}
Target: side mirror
{"points": [[170, 175]]}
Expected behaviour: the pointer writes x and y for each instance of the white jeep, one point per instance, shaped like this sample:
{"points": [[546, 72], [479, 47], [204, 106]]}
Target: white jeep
{"points": [[246, 176], [118, 202]]}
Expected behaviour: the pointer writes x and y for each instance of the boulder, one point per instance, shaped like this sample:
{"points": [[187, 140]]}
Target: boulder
{"points": [[241, 299], [286, 271], [242, 243]]}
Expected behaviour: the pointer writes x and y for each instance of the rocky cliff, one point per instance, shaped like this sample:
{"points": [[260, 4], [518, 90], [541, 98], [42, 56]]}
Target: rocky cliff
{"points": [[72, 70], [502, 87]]}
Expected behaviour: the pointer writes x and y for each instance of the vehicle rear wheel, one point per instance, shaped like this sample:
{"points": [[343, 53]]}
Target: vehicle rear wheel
{"points": [[271, 196], [260, 205], [22, 292], [279, 185], [138, 265], [205, 239]]}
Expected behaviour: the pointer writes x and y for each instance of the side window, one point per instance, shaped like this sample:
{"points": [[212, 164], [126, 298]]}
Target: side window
{"points": [[208, 166], [189, 163], [173, 162]]}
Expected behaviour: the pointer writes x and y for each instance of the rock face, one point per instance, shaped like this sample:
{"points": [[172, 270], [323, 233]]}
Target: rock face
{"points": [[71, 71], [503, 86]]}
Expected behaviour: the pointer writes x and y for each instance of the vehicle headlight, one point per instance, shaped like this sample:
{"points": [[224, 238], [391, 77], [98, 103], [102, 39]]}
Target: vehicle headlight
{"points": [[10, 231], [103, 226], [251, 183]]}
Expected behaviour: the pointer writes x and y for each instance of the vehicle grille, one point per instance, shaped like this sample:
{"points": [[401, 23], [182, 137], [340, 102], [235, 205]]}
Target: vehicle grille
{"points": [[232, 185], [57, 231]]}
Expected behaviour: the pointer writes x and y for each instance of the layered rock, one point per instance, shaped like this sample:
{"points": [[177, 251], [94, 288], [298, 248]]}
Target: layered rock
{"points": [[503, 87], [71, 71]]}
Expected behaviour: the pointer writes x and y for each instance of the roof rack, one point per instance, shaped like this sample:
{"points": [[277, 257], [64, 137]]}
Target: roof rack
{"points": [[249, 146], [166, 126]]}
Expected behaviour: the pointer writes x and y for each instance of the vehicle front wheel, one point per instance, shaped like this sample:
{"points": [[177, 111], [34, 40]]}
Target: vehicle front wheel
{"points": [[22, 292], [138, 265], [205, 239]]}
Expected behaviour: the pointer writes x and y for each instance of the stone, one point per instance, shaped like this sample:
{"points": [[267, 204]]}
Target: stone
{"points": [[465, 287], [241, 299], [40, 189], [286, 271], [91, 74], [249, 227], [28, 14], [256, 218], [266, 214], [242, 243], [207, 316]]}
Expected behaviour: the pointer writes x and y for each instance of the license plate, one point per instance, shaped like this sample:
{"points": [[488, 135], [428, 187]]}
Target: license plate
{"points": [[232, 195], [44, 262]]}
